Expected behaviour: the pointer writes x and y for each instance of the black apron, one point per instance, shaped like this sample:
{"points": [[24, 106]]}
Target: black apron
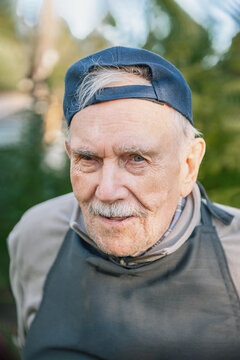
{"points": [[181, 307]]}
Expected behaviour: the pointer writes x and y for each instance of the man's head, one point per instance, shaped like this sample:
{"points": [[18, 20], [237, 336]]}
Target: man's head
{"points": [[132, 154]]}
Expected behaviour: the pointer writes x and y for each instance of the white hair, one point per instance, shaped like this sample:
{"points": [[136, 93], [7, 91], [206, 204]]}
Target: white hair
{"points": [[101, 77]]}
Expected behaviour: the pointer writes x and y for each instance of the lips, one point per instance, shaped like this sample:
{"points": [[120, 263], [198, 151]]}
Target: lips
{"points": [[117, 218]]}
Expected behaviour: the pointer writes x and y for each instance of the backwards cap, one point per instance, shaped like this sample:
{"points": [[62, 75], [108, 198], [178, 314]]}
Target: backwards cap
{"points": [[168, 84]]}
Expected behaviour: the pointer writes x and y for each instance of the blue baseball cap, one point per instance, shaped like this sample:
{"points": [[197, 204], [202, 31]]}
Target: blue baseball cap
{"points": [[168, 84]]}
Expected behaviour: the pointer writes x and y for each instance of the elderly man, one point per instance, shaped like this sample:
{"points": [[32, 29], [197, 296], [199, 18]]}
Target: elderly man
{"points": [[133, 264]]}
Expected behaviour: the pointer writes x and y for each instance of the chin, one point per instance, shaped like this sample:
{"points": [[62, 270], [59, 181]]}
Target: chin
{"points": [[117, 247]]}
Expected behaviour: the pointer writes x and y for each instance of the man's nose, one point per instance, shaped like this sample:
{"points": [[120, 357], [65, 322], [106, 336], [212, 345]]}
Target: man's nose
{"points": [[110, 186]]}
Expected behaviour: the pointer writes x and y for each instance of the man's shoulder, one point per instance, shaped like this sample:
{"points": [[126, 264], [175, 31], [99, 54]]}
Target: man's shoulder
{"points": [[231, 210], [229, 236], [58, 206], [43, 223], [33, 246], [235, 224]]}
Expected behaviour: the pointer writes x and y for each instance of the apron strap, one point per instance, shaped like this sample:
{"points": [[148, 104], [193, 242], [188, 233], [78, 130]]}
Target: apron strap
{"points": [[217, 212], [205, 215]]}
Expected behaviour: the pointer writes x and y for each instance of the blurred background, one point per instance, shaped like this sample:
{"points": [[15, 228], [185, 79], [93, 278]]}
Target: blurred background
{"points": [[40, 39]]}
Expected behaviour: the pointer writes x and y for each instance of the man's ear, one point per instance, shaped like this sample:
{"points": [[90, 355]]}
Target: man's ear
{"points": [[68, 149], [191, 164]]}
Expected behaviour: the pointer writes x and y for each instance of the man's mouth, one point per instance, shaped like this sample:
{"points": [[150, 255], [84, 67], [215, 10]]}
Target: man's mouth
{"points": [[116, 218]]}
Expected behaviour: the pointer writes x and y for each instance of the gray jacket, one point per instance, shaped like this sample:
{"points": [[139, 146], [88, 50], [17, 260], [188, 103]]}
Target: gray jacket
{"points": [[35, 241]]}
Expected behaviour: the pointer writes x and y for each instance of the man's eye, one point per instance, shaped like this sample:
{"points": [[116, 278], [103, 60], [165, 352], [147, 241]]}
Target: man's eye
{"points": [[87, 157], [138, 158]]}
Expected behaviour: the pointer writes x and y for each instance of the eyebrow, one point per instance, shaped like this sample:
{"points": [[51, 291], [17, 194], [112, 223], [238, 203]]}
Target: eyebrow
{"points": [[119, 150], [135, 150], [84, 152]]}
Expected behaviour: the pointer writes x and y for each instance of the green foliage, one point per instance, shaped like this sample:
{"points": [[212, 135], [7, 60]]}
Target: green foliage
{"points": [[186, 42], [25, 181], [13, 59], [217, 109], [8, 349]]}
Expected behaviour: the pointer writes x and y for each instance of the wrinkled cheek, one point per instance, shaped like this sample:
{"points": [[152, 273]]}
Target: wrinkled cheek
{"points": [[75, 181], [80, 184], [73, 176], [155, 193], [163, 187]]}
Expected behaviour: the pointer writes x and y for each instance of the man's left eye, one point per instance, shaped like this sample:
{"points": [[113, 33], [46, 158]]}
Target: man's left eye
{"points": [[138, 158]]}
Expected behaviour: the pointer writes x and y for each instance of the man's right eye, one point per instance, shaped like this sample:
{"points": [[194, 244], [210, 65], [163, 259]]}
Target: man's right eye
{"points": [[86, 163], [87, 157]]}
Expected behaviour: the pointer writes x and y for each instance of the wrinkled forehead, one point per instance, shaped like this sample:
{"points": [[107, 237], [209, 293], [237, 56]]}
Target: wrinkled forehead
{"points": [[131, 122]]}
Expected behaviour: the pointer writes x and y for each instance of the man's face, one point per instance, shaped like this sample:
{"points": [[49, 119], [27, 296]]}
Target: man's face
{"points": [[125, 152]]}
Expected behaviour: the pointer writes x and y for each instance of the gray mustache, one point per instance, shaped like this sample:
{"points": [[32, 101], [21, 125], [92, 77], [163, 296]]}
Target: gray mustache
{"points": [[117, 209]]}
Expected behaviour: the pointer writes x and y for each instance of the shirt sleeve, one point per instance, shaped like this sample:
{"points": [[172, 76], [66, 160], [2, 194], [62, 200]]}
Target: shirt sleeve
{"points": [[33, 246], [229, 236], [16, 283]]}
